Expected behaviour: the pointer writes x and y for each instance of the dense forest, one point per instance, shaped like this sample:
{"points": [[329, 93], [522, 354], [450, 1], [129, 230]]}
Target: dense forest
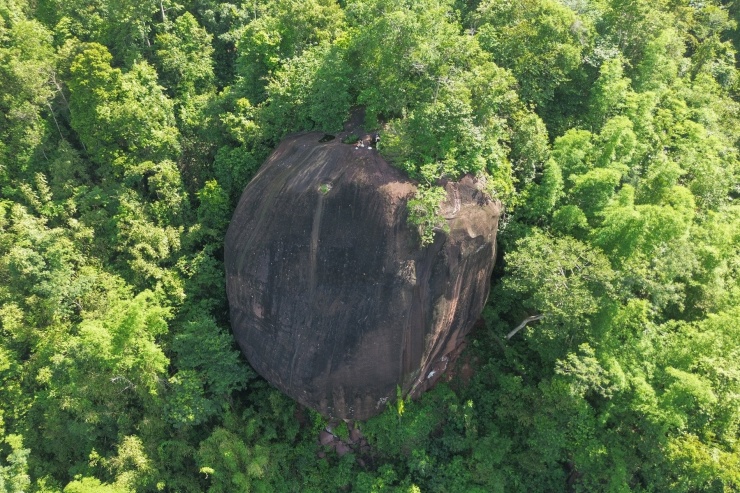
{"points": [[608, 128]]}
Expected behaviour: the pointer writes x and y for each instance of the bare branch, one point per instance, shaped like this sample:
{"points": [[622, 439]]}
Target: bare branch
{"points": [[523, 324], [51, 110]]}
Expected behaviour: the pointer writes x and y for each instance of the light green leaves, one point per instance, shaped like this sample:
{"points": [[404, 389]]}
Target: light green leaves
{"points": [[14, 476], [562, 278], [185, 51], [540, 41], [120, 117], [424, 212]]}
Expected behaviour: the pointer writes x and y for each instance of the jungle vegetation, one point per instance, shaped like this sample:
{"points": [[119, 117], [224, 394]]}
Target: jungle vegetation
{"points": [[609, 129]]}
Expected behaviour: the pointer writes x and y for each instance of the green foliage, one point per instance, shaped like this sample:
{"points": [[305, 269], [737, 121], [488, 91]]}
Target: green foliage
{"points": [[566, 281], [237, 467], [608, 128], [440, 111], [311, 91], [425, 212], [609, 93], [539, 199], [282, 32], [14, 476], [92, 485], [540, 41], [184, 53], [233, 168], [209, 369], [26, 75], [213, 211], [120, 117], [125, 27]]}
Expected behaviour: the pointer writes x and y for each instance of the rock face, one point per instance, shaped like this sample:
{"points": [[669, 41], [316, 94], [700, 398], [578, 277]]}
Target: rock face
{"points": [[332, 300]]}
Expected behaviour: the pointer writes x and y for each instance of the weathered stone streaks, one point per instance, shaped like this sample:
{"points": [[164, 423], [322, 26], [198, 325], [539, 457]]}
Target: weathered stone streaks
{"points": [[331, 297]]}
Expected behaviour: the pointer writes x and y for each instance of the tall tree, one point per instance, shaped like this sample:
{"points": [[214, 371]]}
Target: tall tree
{"points": [[120, 117]]}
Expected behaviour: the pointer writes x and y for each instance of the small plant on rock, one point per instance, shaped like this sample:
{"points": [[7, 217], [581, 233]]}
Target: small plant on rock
{"points": [[425, 209]]}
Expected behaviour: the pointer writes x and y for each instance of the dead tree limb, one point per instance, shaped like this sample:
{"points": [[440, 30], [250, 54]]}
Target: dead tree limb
{"points": [[523, 324]]}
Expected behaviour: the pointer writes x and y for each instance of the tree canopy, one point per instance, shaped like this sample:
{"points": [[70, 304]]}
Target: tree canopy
{"points": [[609, 354]]}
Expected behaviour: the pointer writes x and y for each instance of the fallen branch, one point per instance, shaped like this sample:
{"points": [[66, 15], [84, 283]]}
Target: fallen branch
{"points": [[523, 324]]}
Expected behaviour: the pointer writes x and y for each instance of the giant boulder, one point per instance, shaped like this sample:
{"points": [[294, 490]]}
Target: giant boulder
{"points": [[332, 298]]}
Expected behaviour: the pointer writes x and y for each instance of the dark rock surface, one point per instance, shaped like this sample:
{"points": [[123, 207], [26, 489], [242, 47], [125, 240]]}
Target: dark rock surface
{"points": [[332, 300]]}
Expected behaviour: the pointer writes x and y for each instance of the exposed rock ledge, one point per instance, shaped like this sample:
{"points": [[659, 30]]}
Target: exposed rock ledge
{"points": [[332, 300]]}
